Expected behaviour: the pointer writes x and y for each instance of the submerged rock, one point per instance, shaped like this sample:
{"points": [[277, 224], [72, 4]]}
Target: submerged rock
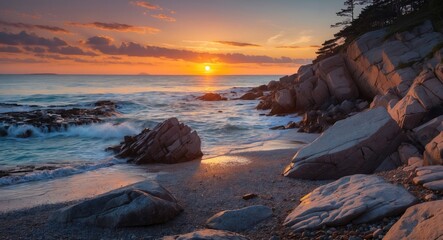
{"points": [[212, 97], [352, 199], [357, 144], [49, 120], [240, 219], [422, 221], [169, 142], [207, 234], [141, 204]]}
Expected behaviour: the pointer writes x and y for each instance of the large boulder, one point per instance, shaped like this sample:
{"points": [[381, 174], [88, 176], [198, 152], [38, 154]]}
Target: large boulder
{"points": [[284, 102], [239, 219], [169, 142], [207, 234], [357, 144], [433, 154], [352, 199], [422, 221], [141, 204]]}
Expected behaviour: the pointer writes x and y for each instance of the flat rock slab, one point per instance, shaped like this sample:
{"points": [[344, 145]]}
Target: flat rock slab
{"points": [[431, 177], [355, 145], [352, 199], [207, 234], [240, 219], [422, 221], [140, 204]]}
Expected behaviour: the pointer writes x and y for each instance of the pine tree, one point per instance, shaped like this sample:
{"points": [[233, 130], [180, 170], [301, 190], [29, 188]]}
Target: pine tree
{"points": [[347, 12]]}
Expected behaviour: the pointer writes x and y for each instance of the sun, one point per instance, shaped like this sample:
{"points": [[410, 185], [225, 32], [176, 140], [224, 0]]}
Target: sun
{"points": [[207, 68]]}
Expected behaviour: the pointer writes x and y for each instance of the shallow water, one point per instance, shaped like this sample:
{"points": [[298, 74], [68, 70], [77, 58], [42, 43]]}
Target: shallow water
{"points": [[143, 101]]}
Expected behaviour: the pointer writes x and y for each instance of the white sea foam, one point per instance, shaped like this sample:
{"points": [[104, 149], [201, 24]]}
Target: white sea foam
{"points": [[56, 173], [101, 131]]}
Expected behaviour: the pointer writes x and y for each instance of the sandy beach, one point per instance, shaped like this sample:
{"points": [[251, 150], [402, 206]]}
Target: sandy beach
{"points": [[202, 188]]}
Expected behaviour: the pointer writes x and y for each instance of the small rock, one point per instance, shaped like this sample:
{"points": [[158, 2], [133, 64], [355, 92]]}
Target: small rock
{"points": [[377, 233], [430, 197], [249, 196]]}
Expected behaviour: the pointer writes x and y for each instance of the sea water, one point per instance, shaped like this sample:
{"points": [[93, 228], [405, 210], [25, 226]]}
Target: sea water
{"points": [[143, 102]]}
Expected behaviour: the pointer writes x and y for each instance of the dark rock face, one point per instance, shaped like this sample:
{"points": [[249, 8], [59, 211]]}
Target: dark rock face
{"points": [[212, 97], [251, 95], [56, 119], [141, 204], [317, 121], [169, 142]]}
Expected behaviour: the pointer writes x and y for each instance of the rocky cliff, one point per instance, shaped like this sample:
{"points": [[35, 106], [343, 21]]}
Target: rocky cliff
{"points": [[401, 72]]}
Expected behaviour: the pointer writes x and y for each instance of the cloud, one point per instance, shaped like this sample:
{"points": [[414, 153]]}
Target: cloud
{"points": [[299, 47], [164, 17], [105, 46], [33, 26], [21, 60], [70, 50], [238, 44], [119, 27], [35, 49], [10, 49], [146, 5], [24, 38]]}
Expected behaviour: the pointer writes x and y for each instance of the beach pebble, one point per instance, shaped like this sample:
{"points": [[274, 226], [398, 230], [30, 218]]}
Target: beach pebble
{"points": [[249, 196]]}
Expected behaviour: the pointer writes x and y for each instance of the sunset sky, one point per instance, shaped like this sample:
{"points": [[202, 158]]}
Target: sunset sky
{"points": [[162, 36]]}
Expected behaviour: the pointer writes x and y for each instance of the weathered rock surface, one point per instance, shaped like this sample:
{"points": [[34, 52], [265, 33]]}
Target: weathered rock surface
{"points": [[378, 64], [141, 204], [431, 177], [433, 154], [283, 102], [207, 234], [423, 97], [352, 199], [413, 163], [212, 97], [422, 221], [357, 144], [407, 151], [169, 142], [240, 219], [426, 132], [49, 120], [251, 95]]}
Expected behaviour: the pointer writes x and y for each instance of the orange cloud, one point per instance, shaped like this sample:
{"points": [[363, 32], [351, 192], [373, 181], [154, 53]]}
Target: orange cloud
{"points": [[238, 44], [299, 47], [119, 27], [164, 17], [146, 5], [33, 26], [105, 46]]}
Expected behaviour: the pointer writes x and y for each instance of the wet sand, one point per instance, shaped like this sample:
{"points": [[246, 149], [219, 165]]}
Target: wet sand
{"points": [[203, 188]]}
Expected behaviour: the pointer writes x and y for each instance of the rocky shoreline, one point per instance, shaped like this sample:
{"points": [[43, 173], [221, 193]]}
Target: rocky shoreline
{"points": [[374, 173]]}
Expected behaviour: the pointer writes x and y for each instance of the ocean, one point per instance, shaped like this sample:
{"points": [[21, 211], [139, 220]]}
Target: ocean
{"points": [[143, 101]]}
